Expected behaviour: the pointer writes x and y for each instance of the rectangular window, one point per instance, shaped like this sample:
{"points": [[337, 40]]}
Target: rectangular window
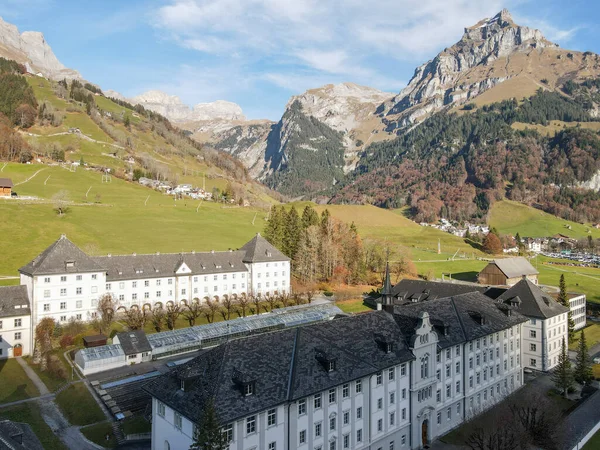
{"points": [[47, 280], [532, 347], [532, 334], [346, 441], [122, 284], [94, 276], [227, 432], [332, 395], [47, 293], [332, 423], [379, 378], [78, 316], [63, 305], [317, 401], [391, 374], [161, 409], [392, 398], [272, 445], [46, 307], [458, 350], [17, 335], [359, 435], [359, 412], [63, 278], [392, 418], [302, 437], [379, 425], [18, 323], [345, 391], [346, 417], [302, 407], [458, 367], [403, 393], [379, 403], [318, 429], [439, 418], [271, 417], [178, 421], [63, 292], [458, 387], [358, 386], [133, 296], [251, 425], [403, 413], [108, 286], [403, 370]]}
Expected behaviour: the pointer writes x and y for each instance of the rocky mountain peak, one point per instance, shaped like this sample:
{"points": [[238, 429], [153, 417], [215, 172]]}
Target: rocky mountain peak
{"points": [[451, 76], [30, 48]]}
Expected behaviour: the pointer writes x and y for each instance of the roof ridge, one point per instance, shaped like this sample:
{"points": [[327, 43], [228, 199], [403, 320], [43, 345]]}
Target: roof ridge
{"points": [[292, 373], [460, 322]]}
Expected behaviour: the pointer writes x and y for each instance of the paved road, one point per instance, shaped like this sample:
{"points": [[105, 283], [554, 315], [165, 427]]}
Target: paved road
{"points": [[69, 434]]}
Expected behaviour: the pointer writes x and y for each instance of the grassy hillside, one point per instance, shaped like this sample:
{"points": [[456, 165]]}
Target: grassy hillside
{"points": [[392, 228], [118, 221], [511, 218]]}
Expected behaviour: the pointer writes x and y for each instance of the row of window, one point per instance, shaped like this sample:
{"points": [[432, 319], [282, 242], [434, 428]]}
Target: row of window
{"points": [[63, 305], [484, 340], [63, 278], [18, 336], [17, 322]]}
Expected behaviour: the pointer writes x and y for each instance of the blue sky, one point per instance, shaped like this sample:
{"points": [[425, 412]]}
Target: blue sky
{"points": [[258, 53]]}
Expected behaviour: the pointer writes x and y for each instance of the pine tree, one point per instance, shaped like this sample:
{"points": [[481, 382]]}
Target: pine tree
{"points": [[563, 299], [292, 233], [583, 366], [562, 376], [274, 229], [309, 217], [324, 219], [209, 435]]}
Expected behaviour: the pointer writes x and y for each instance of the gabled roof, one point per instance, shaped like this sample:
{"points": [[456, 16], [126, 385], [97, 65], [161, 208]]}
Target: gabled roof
{"points": [[460, 314], [61, 257], [14, 301], [261, 250], [6, 182], [283, 366], [533, 301], [515, 267], [18, 436], [419, 290], [134, 342]]}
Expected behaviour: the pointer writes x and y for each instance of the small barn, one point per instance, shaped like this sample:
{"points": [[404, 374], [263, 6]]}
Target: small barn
{"points": [[94, 341], [6, 186], [507, 272]]}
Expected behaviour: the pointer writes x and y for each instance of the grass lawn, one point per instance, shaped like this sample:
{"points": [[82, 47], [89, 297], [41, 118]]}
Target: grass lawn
{"points": [[592, 336], [14, 383], [511, 217], [596, 369], [352, 306], [78, 405], [593, 443], [97, 434], [52, 382], [135, 425], [29, 413]]}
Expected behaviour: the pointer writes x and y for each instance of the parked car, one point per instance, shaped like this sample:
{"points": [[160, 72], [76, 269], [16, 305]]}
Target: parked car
{"points": [[597, 360]]}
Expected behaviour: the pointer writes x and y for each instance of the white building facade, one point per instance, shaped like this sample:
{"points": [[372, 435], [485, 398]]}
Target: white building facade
{"points": [[578, 306], [427, 377], [65, 283], [15, 322]]}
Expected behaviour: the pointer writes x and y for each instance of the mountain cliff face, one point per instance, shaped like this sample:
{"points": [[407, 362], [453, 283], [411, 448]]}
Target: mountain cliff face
{"points": [[30, 48], [175, 110]]}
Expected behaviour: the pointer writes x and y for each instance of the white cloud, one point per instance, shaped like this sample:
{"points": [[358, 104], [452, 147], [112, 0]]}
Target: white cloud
{"points": [[314, 40]]}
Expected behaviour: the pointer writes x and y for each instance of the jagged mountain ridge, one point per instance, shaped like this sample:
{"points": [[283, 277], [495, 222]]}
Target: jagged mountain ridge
{"points": [[31, 49]]}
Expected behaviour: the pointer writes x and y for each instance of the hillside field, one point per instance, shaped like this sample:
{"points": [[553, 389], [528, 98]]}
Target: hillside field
{"points": [[511, 218]]}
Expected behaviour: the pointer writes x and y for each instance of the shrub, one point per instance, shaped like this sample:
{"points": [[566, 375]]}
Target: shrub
{"points": [[78, 340], [328, 293], [56, 367], [66, 341]]}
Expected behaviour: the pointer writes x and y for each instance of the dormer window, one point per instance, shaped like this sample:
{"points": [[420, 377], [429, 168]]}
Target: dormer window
{"points": [[385, 343], [182, 385], [70, 264], [248, 389], [328, 361], [245, 383]]}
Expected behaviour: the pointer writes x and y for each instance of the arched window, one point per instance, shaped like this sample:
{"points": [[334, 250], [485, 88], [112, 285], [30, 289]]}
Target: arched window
{"points": [[167, 446], [425, 366]]}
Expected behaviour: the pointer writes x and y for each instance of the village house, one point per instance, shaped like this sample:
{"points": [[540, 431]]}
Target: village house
{"points": [[507, 272], [15, 322], [6, 186]]}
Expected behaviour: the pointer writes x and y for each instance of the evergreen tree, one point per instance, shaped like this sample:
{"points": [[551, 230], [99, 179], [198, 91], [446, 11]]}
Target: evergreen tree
{"points": [[293, 228], [324, 218], [583, 366], [209, 435], [275, 228], [563, 299], [309, 217], [562, 376]]}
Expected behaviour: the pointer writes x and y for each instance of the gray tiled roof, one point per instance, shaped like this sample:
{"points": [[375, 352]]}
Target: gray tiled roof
{"points": [[18, 436], [260, 250], [515, 267], [134, 342], [14, 301], [6, 182], [460, 314], [61, 257], [533, 302], [125, 267], [420, 290], [282, 364]]}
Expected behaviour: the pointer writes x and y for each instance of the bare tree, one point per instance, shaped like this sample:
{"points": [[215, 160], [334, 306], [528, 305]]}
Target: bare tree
{"points": [[106, 312], [172, 314], [256, 301], [243, 302], [61, 202], [228, 306], [134, 318], [271, 301], [192, 311], [210, 310], [158, 317]]}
